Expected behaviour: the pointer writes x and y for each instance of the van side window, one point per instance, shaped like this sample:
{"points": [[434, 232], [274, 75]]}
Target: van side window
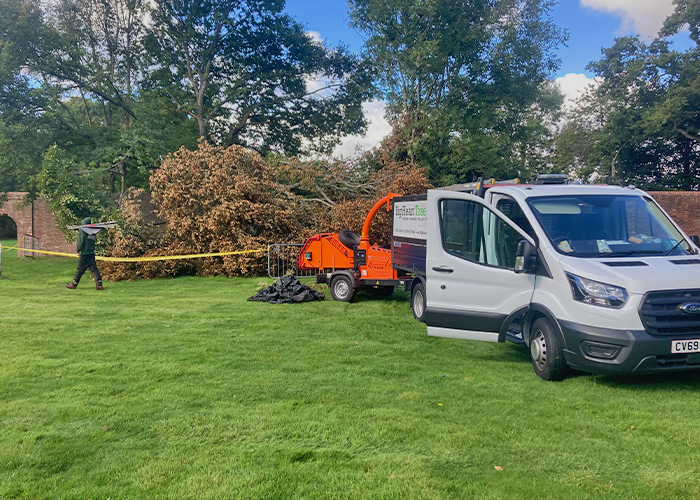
{"points": [[473, 232], [510, 208]]}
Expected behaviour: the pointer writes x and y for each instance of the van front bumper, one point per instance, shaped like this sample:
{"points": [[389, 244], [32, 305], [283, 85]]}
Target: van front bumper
{"points": [[604, 350]]}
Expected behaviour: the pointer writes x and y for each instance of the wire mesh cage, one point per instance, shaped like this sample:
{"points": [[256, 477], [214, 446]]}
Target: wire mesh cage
{"points": [[282, 260], [30, 243]]}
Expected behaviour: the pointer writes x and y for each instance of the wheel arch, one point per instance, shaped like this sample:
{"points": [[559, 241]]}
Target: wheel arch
{"points": [[414, 282], [535, 312], [349, 274]]}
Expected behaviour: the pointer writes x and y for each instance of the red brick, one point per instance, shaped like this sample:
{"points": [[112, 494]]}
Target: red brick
{"points": [[683, 206], [35, 220]]}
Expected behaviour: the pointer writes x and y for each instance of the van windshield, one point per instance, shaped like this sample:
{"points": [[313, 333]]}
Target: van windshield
{"points": [[608, 226]]}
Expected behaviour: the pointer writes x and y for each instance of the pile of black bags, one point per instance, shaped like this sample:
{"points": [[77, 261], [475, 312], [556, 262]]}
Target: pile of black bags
{"points": [[286, 290]]}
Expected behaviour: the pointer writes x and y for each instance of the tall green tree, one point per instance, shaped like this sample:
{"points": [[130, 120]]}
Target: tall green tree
{"points": [[642, 123], [93, 49], [250, 75], [71, 74], [22, 137], [92, 68], [469, 80], [681, 106]]}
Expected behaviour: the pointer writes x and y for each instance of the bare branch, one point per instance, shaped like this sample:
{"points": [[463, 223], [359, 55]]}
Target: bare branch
{"points": [[685, 133], [177, 103]]}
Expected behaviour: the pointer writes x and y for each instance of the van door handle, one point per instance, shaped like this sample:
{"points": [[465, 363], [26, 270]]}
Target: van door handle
{"points": [[443, 269]]}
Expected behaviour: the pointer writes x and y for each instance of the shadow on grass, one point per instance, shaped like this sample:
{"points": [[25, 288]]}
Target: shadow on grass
{"points": [[689, 380], [511, 353], [364, 296]]}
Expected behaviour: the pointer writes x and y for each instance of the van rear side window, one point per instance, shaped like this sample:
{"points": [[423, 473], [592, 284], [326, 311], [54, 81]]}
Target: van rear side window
{"points": [[473, 232]]}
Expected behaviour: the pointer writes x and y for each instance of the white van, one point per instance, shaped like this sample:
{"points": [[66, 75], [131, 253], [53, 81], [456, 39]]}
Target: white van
{"points": [[595, 278]]}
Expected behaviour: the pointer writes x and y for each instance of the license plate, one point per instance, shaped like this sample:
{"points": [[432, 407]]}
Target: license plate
{"points": [[684, 346]]}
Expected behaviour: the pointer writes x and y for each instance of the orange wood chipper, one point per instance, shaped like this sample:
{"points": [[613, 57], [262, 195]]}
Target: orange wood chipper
{"points": [[348, 262]]}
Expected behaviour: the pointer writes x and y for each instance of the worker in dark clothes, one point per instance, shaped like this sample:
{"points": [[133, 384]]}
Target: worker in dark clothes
{"points": [[86, 251]]}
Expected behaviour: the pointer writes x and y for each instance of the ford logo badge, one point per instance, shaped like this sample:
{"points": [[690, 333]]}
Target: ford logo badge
{"points": [[690, 308]]}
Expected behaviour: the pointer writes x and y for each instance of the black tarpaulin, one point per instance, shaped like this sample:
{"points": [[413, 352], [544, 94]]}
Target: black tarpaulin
{"points": [[287, 290]]}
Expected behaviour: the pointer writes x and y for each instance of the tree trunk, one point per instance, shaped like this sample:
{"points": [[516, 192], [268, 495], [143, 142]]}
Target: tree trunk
{"points": [[87, 110], [201, 119]]}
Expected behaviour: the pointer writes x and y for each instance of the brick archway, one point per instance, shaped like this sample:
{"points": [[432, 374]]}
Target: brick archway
{"points": [[36, 223], [8, 228]]}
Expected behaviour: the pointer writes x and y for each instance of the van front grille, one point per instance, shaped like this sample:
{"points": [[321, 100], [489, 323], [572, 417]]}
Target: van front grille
{"points": [[662, 317]]}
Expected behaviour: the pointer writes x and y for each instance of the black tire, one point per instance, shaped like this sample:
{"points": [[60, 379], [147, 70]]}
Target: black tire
{"points": [[342, 289], [546, 352], [418, 302], [382, 291], [349, 238]]}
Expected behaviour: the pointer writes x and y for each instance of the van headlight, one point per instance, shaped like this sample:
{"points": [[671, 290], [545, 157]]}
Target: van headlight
{"points": [[596, 293]]}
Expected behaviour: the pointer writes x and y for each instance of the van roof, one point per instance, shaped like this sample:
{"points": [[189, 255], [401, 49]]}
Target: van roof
{"points": [[523, 191]]}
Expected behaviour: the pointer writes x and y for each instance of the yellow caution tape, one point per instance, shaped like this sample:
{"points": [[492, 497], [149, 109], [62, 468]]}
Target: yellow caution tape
{"points": [[14, 247], [146, 259]]}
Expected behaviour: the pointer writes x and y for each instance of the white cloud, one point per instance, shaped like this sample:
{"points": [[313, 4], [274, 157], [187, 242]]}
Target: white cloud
{"points": [[316, 36], [315, 83], [376, 131], [573, 86], [638, 16]]}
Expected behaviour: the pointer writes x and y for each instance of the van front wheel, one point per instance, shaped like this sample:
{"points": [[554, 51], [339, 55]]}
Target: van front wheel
{"points": [[546, 352]]}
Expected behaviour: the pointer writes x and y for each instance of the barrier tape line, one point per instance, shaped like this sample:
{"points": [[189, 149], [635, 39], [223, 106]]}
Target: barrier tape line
{"points": [[146, 259], [14, 247]]}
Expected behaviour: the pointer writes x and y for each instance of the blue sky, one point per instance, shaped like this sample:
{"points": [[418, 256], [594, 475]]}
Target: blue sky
{"points": [[592, 25]]}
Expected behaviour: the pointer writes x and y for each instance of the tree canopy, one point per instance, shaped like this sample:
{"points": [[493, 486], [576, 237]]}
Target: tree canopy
{"points": [[118, 84], [641, 125], [95, 95], [242, 69], [469, 79]]}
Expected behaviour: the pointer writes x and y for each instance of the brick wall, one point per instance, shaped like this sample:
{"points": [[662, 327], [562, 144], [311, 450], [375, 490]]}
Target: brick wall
{"points": [[37, 223], [683, 206]]}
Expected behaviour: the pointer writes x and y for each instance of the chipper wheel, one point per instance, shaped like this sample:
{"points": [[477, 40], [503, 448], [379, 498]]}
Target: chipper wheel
{"points": [[342, 289]]}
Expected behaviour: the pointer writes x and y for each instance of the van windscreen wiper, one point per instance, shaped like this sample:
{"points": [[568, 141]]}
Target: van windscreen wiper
{"points": [[674, 247], [624, 253], [613, 254]]}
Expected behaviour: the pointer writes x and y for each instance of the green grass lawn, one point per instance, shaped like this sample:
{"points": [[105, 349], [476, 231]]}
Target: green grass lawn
{"points": [[182, 389]]}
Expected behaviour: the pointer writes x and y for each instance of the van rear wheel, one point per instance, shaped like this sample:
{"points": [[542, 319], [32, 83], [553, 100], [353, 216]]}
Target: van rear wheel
{"points": [[546, 351], [418, 302]]}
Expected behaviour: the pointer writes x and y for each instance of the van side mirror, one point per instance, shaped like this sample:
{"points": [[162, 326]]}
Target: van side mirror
{"points": [[525, 257], [695, 239]]}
